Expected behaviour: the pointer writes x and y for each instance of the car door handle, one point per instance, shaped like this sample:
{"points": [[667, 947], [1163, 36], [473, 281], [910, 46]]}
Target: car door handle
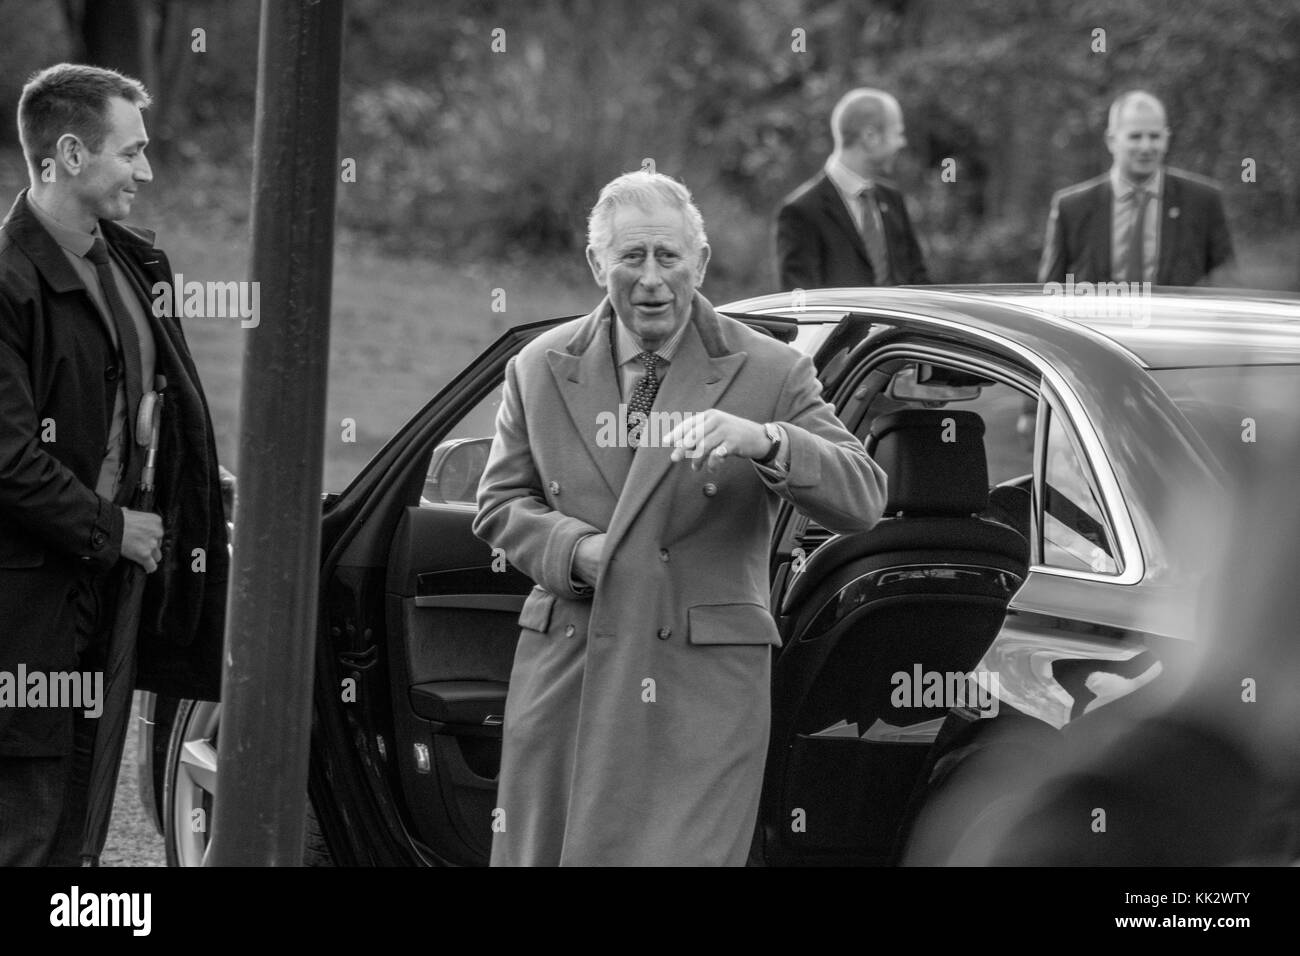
{"points": [[360, 660], [511, 603]]}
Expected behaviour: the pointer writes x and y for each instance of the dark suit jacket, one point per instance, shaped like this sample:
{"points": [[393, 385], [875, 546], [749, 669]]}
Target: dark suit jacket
{"points": [[817, 245], [1194, 239], [58, 365]]}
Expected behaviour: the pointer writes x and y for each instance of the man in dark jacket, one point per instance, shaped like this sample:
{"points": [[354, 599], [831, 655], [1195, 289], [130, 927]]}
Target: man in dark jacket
{"points": [[847, 226], [1142, 221], [80, 348]]}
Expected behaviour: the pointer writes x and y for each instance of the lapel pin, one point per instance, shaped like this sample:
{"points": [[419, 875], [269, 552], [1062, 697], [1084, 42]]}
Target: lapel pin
{"points": [[1173, 212]]}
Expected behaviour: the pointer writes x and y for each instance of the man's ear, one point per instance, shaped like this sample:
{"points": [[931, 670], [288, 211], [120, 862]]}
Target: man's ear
{"points": [[702, 264], [597, 266], [1110, 141], [70, 152]]}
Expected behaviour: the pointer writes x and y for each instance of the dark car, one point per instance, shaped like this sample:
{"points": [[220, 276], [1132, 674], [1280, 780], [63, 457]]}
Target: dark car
{"points": [[1031, 455]]}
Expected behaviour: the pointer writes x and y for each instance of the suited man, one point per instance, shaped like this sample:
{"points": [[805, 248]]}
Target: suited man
{"points": [[847, 226], [636, 724], [1094, 227], [79, 348]]}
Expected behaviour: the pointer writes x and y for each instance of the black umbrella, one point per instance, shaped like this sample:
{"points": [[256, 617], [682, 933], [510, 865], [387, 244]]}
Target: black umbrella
{"points": [[119, 671]]}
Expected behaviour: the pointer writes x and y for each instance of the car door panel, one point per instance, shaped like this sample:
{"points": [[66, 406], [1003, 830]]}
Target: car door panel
{"points": [[453, 625]]}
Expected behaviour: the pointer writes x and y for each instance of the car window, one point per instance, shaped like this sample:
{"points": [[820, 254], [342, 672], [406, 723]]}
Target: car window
{"points": [[1008, 416], [1075, 534], [457, 463]]}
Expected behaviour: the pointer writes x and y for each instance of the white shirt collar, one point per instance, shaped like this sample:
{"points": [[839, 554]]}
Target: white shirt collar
{"points": [[1122, 187], [846, 180]]}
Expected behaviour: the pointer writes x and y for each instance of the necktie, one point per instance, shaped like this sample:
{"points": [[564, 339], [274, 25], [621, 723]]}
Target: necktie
{"points": [[1135, 267], [874, 238], [127, 337], [643, 396]]}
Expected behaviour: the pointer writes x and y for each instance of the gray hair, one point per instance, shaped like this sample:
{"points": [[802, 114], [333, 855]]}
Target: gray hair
{"points": [[643, 189]]}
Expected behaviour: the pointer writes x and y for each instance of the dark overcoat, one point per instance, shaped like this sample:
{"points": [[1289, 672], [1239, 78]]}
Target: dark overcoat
{"points": [[58, 381]]}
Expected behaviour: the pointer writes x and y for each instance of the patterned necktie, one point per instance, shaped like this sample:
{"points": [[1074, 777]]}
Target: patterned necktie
{"points": [[127, 337], [1135, 267], [643, 396], [873, 238]]}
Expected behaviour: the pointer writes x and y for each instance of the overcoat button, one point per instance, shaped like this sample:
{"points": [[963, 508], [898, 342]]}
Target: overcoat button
{"points": [[665, 633], [554, 487], [569, 630], [110, 373], [97, 539], [710, 489], [663, 554]]}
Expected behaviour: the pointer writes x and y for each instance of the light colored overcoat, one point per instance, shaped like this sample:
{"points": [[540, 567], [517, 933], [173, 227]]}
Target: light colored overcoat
{"points": [[636, 724]]}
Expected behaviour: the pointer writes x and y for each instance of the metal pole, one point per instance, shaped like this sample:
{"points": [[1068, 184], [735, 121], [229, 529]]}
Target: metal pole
{"points": [[271, 625]]}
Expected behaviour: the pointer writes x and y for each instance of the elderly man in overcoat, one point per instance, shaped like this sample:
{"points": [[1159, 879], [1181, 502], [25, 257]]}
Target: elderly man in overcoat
{"points": [[637, 719]]}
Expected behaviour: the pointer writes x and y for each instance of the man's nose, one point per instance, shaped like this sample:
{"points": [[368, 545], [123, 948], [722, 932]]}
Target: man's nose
{"points": [[143, 173], [650, 275]]}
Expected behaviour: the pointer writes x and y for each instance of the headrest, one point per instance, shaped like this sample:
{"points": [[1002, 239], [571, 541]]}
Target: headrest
{"points": [[934, 459]]}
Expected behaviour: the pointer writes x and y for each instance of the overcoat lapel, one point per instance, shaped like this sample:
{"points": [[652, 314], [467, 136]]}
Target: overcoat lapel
{"points": [[697, 379], [584, 374]]}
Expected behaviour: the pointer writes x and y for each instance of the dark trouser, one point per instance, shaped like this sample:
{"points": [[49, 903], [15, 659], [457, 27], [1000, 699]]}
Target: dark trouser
{"points": [[43, 799]]}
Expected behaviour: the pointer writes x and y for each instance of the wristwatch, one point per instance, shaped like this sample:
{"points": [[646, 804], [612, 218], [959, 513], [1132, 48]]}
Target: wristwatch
{"points": [[774, 436]]}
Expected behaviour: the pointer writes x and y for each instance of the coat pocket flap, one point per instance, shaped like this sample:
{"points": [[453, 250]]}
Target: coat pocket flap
{"points": [[731, 624], [536, 614]]}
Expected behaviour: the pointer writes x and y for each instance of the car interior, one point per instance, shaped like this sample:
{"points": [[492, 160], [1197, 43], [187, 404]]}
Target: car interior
{"points": [[927, 588], [868, 615]]}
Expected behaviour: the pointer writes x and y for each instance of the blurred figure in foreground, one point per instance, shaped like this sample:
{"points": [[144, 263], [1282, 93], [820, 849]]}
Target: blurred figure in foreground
{"points": [[1201, 770]]}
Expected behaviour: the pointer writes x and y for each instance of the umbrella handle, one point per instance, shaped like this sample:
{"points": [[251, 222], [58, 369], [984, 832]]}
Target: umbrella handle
{"points": [[148, 425]]}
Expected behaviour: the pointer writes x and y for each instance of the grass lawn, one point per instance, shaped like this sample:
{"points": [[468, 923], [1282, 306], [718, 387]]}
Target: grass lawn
{"points": [[400, 331]]}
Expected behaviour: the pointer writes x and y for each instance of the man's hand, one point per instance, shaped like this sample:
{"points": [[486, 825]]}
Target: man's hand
{"points": [[586, 560], [710, 436], [142, 538]]}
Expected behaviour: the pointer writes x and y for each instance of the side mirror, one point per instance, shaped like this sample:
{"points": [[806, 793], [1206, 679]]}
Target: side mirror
{"points": [[455, 469]]}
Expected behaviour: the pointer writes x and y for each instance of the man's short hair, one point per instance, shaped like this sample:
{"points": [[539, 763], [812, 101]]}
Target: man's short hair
{"points": [[859, 110], [71, 98], [643, 189], [1124, 99]]}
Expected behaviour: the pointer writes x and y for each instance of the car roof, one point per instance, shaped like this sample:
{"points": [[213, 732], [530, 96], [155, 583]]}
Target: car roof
{"points": [[1165, 328]]}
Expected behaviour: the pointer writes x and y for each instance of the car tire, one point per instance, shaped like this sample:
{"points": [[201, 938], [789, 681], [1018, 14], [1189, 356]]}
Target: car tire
{"points": [[189, 785]]}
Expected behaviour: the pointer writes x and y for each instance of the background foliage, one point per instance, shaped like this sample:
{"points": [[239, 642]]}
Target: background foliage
{"points": [[470, 155]]}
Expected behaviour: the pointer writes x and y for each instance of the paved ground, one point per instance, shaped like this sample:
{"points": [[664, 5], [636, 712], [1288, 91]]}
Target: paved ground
{"points": [[132, 839]]}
